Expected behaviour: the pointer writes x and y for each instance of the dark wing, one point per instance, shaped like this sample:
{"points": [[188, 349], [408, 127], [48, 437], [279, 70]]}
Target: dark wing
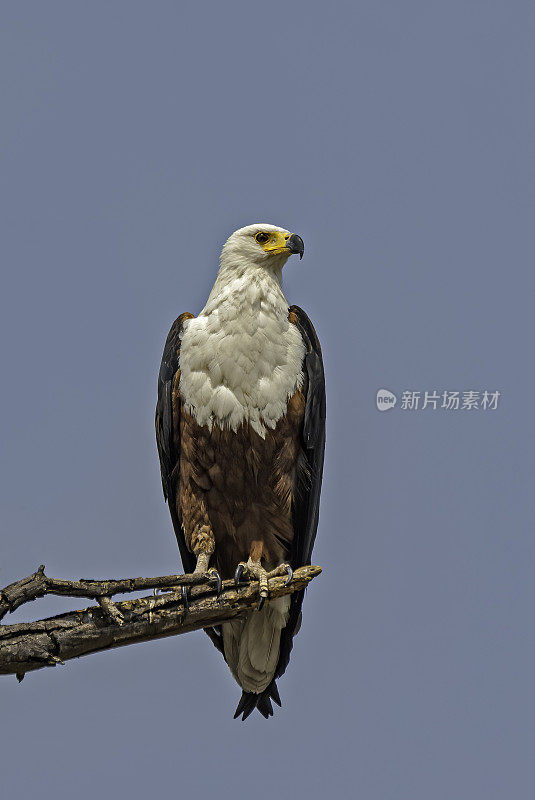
{"points": [[305, 505], [168, 432]]}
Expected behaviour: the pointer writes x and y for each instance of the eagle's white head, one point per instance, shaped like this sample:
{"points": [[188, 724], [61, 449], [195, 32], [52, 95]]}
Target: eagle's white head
{"points": [[260, 245], [251, 265]]}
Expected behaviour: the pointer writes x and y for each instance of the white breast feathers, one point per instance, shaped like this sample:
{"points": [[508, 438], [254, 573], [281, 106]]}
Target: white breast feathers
{"points": [[241, 359]]}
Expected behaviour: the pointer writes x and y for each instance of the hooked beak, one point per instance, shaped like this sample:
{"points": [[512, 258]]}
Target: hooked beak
{"points": [[296, 245]]}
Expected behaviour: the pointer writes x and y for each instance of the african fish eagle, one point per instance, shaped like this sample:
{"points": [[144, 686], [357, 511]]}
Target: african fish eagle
{"points": [[240, 429]]}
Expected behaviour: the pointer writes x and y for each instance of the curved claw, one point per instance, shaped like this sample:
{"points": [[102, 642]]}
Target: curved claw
{"points": [[217, 577], [290, 575], [261, 603], [185, 598], [240, 569]]}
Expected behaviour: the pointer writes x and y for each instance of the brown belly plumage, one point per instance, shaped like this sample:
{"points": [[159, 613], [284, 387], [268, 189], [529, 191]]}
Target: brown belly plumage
{"points": [[235, 489]]}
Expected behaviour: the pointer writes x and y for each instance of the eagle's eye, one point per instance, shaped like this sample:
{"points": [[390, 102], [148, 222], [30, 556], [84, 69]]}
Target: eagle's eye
{"points": [[261, 237]]}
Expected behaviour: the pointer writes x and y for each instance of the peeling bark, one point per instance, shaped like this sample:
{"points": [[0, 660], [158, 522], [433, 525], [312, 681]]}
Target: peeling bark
{"points": [[28, 646]]}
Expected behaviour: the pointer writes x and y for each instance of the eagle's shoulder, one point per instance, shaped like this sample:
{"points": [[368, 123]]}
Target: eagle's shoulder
{"points": [[298, 317], [171, 350]]}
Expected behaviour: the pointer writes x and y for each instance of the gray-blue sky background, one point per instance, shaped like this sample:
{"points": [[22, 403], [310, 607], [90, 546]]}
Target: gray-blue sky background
{"points": [[398, 140]]}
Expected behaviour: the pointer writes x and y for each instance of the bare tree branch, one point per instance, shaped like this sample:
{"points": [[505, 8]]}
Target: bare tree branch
{"points": [[29, 646], [38, 584]]}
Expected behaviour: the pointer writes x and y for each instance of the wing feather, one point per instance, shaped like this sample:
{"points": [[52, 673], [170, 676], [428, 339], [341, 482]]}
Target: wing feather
{"points": [[305, 505], [168, 433]]}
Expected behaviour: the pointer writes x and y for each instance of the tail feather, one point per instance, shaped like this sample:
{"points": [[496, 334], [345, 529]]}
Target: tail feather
{"points": [[274, 693], [263, 704], [249, 701], [246, 705]]}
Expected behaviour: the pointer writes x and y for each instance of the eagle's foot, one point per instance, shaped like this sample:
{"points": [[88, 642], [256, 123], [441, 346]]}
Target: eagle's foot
{"points": [[215, 576], [209, 573], [251, 570], [241, 573], [254, 569], [282, 569], [201, 567]]}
